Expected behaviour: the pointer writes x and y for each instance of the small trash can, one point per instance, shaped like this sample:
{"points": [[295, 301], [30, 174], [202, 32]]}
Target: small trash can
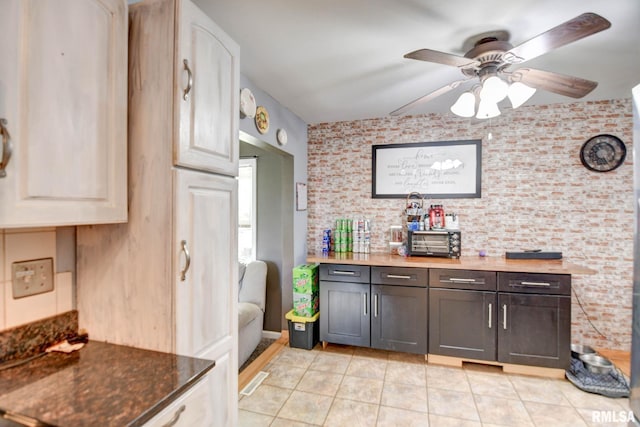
{"points": [[304, 332]]}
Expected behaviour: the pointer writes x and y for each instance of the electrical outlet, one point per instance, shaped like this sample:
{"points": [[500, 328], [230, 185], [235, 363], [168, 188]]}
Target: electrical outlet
{"points": [[32, 277]]}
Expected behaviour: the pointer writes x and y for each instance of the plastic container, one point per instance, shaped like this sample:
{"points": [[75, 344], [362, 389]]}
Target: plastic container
{"points": [[304, 332]]}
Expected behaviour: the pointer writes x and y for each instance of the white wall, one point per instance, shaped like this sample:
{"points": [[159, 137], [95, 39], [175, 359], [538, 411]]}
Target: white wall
{"points": [[29, 244], [281, 117]]}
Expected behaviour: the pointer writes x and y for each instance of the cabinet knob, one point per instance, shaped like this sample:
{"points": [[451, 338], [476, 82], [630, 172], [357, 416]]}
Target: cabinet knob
{"points": [[6, 147]]}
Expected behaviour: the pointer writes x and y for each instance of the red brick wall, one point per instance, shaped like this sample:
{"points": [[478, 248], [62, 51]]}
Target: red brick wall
{"points": [[535, 194]]}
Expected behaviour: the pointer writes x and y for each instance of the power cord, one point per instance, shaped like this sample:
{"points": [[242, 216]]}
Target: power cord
{"points": [[589, 320]]}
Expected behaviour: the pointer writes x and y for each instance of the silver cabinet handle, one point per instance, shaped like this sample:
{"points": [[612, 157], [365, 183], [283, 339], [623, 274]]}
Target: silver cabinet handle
{"points": [[535, 284], [344, 273], [183, 273], [176, 417], [455, 279], [185, 95], [490, 310], [6, 147], [364, 304], [504, 316], [375, 305], [398, 276]]}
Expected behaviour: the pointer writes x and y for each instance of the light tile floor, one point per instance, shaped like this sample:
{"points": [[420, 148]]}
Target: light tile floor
{"points": [[358, 387]]}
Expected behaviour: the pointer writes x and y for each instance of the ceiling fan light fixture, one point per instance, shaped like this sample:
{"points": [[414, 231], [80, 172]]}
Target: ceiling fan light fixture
{"points": [[519, 93], [494, 89], [487, 109], [465, 106]]}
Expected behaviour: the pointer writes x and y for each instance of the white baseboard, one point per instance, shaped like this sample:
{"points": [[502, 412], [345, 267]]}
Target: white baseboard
{"points": [[271, 335]]}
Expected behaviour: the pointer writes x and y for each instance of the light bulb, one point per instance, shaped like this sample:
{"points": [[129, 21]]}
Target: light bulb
{"points": [[494, 89], [465, 106], [487, 109], [519, 93]]}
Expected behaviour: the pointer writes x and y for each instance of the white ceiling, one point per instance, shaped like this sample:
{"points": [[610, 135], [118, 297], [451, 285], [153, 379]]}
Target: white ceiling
{"points": [[334, 60]]}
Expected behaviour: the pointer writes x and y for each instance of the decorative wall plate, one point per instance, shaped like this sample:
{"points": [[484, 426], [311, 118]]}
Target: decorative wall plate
{"points": [[262, 119], [603, 153], [281, 136], [247, 103]]}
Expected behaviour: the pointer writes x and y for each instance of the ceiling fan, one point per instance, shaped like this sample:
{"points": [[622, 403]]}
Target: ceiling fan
{"points": [[489, 59]]}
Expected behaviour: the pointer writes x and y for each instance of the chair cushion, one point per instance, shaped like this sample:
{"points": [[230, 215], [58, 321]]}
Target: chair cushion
{"points": [[247, 312]]}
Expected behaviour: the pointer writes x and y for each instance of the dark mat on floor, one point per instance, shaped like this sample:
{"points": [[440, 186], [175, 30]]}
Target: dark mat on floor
{"points": [[262, 346]]}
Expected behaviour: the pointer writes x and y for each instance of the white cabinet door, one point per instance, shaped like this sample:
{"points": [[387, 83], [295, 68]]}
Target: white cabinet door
{"points": [[207, 94], [63, 92], [207, 278]]}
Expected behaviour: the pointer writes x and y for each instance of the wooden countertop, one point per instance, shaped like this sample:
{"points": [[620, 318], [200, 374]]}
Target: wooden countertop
{"points": [[99, 385], [464, 263]]}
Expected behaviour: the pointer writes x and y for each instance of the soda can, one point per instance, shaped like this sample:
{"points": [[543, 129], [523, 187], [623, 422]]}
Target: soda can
{"points": [[349, 224]]}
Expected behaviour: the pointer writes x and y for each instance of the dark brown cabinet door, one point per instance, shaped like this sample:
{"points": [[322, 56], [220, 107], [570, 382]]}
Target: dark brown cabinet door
{"points": [[533, 329], [399, 318], [462, 323], [345, 313]]}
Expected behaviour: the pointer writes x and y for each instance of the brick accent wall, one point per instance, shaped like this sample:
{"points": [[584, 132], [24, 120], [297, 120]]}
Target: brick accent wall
{"points": [[535, 194]]}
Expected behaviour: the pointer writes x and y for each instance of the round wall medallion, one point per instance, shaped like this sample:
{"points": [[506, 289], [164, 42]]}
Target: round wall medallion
{"points": [[247, 103], [281, 136], [603, 153], [262, 119]]}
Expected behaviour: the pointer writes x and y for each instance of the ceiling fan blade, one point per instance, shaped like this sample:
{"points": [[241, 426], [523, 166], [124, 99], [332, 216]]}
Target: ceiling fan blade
{"points": [[428, 97], [572, 30], [441, 58], [571, 86]]}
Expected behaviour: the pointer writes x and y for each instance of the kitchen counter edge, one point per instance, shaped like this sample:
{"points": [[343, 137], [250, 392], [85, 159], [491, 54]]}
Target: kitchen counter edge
{"points": [[463, 263]]}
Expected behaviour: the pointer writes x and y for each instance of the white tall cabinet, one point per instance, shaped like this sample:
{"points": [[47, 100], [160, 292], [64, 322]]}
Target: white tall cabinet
{"points": [[63, 105], [167, 280]]}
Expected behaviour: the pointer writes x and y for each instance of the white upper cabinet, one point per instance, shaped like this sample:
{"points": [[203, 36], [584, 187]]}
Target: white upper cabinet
{"points": [[63, 94], [208, 94]]}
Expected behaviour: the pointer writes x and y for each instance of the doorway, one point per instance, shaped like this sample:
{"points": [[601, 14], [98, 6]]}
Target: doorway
{"points": [[273, 227]]}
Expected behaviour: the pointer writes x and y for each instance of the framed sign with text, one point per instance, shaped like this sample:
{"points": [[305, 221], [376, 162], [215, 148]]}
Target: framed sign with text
{"points": [[440, 170]]}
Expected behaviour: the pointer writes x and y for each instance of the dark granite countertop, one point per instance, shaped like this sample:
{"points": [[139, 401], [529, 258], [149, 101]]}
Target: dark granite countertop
{"points": [[99, 385]]}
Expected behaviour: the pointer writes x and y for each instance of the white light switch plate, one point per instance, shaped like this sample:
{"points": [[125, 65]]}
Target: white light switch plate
{"points": [[32, 277]]}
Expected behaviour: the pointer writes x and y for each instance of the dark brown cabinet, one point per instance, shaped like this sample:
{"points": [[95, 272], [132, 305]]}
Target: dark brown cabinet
{"points": [[535, 321], [381, 307], [462, 313], [345, 300], [399, 309], [518, 318], [462, 323]]}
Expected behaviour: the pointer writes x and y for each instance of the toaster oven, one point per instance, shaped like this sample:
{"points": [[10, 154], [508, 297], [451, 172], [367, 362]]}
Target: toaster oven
{"points": [[436, 243]]}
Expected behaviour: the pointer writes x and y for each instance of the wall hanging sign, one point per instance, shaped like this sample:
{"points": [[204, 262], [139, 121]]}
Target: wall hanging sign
{"points": [[301, 196], [440, 170]]}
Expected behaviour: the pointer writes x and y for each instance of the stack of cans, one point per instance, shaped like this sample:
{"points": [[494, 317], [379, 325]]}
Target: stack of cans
{"points": [[343, 235], [362, 236], [349, 235], [326, 241]]}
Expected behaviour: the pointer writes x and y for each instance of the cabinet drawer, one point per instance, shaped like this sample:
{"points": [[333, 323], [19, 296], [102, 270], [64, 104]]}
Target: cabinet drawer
{"points": [[462, 279], [192, 408], [535, 283], [345, 273], [403, 276]]}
